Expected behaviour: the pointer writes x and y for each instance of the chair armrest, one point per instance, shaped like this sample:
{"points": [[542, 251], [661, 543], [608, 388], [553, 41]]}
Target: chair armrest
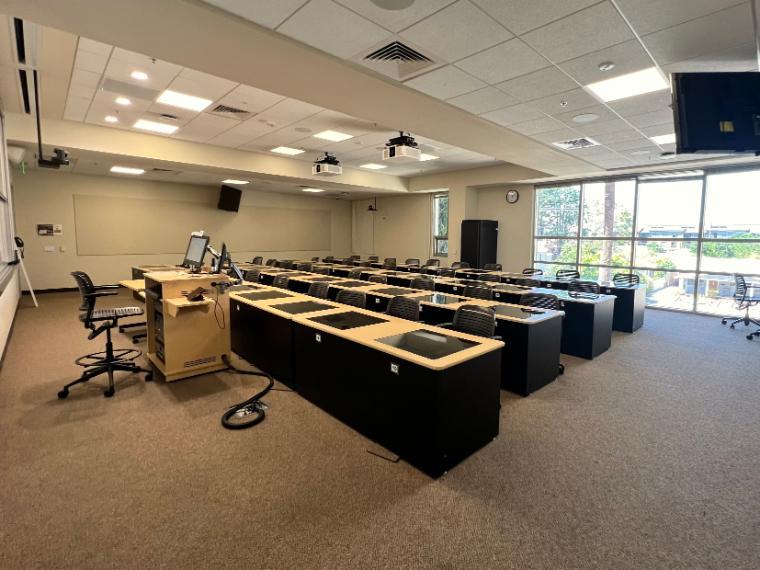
{"points": [[497, 337], [449, 326], [107, 286], [102, 294]]}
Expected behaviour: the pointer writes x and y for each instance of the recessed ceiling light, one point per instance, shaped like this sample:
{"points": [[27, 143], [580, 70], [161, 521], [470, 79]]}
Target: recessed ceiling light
{"points": [[333, 136], [123, 101], [233, 181], [111, 119], [373, 166], [183, 101], [139, 75], [585, 118], [314, 190], [629, 85], [127, 170], [425, 157], [606, 66], [155, 127], [287, 150], [664, 139]]}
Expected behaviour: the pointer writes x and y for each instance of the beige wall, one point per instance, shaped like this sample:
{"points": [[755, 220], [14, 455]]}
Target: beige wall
{"points": [[49, 197], [514, 249]]}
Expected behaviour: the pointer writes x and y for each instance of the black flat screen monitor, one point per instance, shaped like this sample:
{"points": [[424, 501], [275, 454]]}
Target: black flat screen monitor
{"points": [[229, 199], [219, 267], [717, 112], [196, 251]]}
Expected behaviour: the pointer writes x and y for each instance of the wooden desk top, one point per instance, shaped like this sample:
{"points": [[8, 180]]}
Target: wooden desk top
{"points": [[135, 285]]}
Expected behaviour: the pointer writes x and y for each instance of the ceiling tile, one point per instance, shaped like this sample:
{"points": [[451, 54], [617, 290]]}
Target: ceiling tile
{"points": [[714, 33], [76, 108], [205, 127], [193, 82], [395, 20], [659, 129], [628, 57], [332, 28], [242, 133], [267, 13], [647, 16], [604, 113], [123, 63], [93, 62], [250, 99], [643, 103], [586, 31], [638, 143], [85, 78], [483, 100], [445, 82], [653, 118], [287, 112], [520, 16], [556, 136], [547, 81], [618, 136], [565, 102], [91, 46], [502, 62], [513, 115], [602, 126], [537, 126], [457, 31], [739, 58]]}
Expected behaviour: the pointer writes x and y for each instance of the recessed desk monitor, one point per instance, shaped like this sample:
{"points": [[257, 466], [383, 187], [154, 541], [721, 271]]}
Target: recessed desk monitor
{"points": [[196, 251]]}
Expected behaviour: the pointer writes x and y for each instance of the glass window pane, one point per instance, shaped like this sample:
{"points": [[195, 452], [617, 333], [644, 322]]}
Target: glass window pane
{"points": [[558, 250], [441, 216], [608, 208], [716, 295], [557, 211], [732, 205], [666, 254], [592, 273], [669, 209], [731, 257], [550, 269], [669, 289], [606, 252]]}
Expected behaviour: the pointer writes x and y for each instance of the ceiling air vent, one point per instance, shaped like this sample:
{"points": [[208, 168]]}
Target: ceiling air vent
{"points": [[575, 144], [398, 60], [231, 112], [396, 51], [164, 170]]}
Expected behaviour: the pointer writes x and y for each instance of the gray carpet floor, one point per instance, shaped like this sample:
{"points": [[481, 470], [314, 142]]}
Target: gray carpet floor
{"points": [[646, 457]]}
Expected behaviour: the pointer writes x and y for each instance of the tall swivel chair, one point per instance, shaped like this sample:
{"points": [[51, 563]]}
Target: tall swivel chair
{"points": [[475, 320], [281, 282], [492, 267], [404, 308], [424, 283], [542, 301], [413, 261], [303, 266], [626, 279], [490, 277], [258, 260], [102, 321], [319, 289], [378, 279], [460, 265], [478, 292], [433, 262], [565, 274], [353, 298], [252, 275], [271, 262], [355, 273], [577, 286], [321, 270], [389, 263], [374, 258], [745, 297]]}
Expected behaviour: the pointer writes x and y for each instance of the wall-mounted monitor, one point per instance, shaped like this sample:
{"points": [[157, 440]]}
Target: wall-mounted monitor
{"points": [[229, 199]]}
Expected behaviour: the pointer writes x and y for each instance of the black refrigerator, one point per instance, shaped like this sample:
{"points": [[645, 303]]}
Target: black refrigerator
{"points": [[479, 242]]}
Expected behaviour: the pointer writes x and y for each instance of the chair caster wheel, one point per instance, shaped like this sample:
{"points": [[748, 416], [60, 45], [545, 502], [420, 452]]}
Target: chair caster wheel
{"points": [[723, 321], [733, 326], [561, 368], [109, 393], [149, 376], [749, 336], [63, 394]]}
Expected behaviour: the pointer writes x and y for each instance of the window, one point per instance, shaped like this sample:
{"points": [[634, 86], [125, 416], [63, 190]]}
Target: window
{"points": [[440, 225], [685, 234], [7, 253]]}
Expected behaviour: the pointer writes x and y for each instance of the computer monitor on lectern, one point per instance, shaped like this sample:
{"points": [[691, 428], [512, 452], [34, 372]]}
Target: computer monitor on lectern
{"points": [[196, 251]]}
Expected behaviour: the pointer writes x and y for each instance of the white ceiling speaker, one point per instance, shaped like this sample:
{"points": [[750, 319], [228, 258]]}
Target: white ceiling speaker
{"points": [[393, 4]]}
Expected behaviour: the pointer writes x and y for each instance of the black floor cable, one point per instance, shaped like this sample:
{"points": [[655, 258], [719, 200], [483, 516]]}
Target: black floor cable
{"points": [[250, 412]]}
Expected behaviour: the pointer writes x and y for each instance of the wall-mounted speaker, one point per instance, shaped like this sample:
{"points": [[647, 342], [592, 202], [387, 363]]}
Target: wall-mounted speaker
{"points": [[229, 199]]}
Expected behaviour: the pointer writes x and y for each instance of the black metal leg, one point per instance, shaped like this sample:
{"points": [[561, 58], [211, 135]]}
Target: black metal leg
{"points": [[122, 328]]}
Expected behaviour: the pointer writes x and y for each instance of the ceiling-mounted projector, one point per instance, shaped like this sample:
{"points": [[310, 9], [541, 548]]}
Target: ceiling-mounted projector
{"points": [[403, 148], [328, 165]]}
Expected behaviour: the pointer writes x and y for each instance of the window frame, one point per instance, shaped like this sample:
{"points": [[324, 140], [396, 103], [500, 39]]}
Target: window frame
{"points": [[436, 238]]}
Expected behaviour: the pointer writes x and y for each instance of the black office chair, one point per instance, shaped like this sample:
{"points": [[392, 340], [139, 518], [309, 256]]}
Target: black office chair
{"points": [[98, 321], [252, 275], [303, 266], [565, 274], [433, 262], [413, 261], [347, 261], [356, 257], [447, 272], [353, 298], [542, 301], [374, 258], [258, 260], [529, 283], [321, 270], [355, 273], [329, 258], [478, 292], [744, 298], [389, 263], [281, 281], [532, 271], [271, 262], [423, 283], [626, 279], [460, 265], [489, 277], [404, 308], [378, 279], [492, 267], [471, 319], [315, 259], [319, 289], [579, 287]]}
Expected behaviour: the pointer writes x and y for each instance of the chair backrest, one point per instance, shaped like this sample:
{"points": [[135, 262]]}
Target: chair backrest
{"points": [[579, 286], [567, 274], [423, 283], [329, 257], [319, 289], [492, 267], [433, 262], [353, 298], [471, 319], [356, 257], [529, 283], [321, 270], [315, 258], [355, 273], [478, 292], [271, 261], [389, 263], [347, 261], [86, 288], [489, 277], [532, 271], [740, 291], [540, 300], [404, 308], [258, 260], [626, 279], [374, 258], [412, 261], [303, 266], [447, 272], [460, 265], [281, 281], [378, 279], [252, 275]]}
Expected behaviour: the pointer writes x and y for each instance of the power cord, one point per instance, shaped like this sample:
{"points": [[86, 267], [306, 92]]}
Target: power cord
{"points": [[250, 412]]}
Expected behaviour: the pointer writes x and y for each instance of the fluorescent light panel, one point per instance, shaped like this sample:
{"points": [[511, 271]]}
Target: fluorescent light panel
{"points": [[233, 181], [334, 136], [124, 101], [155, 127], [183, 101], [127, 170], [629, 85], [287, 150], [373, 166], [315, 190], [664, 139], [139, 75], [110, 119]]}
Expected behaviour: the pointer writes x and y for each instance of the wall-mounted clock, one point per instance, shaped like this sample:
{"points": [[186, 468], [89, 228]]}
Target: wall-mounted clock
{"points": [[512, 196]]}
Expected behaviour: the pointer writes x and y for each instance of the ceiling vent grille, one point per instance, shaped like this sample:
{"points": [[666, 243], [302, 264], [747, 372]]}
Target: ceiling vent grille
{"points": [[575, 144], [396, 51], [233, 112], [398, 60], [164, 170]]}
